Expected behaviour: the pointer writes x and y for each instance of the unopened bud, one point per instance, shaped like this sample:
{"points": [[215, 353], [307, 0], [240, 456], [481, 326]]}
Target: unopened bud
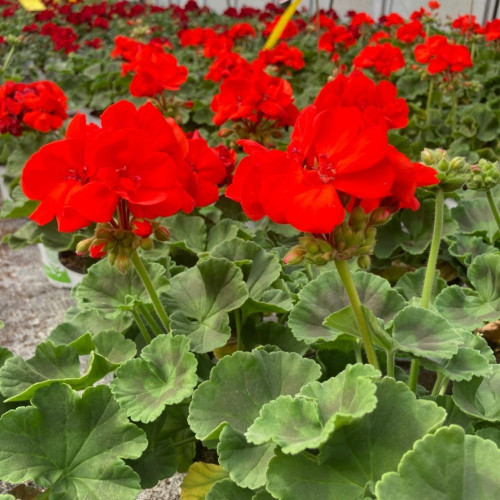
{"points": [[310, 244], [146, 243], [364, 261], [98, 249], [161, 233], [457, 163], [142, 228], [295, 256], [380, 216], [122, 263], [83, 246], [225, 132]]}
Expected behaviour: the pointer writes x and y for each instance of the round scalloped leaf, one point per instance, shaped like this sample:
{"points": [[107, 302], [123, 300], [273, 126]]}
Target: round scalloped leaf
{"points": [[466, 248], [491, 433], [165, 374], [187, 232], [480, 397], [241, 384], [411, 284], [326, 295], [246, 463], [106, 289], [465, 307], [307, 421], [84, 462], [199, 480], [199, 300], [264, 267], [475, 218], [359, 453], [424, 333], [227, 490], [447, 464]]}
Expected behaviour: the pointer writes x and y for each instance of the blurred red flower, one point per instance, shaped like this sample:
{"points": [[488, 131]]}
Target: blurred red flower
{"points": [[384, 58]]}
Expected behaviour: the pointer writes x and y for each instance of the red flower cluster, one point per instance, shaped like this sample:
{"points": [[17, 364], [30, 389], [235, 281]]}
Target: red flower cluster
{"points": [[392, 19], [407, 33], [440, 55], [361, 18], [40, 105], [62, 38], [227, 64], [241, 30], [337, 159], [491, 30], [384, 58], [154, 70], [253, 98], [282, 55], [137, 156], [337, 36], [466, 24], [196, 36], [291, 29]]}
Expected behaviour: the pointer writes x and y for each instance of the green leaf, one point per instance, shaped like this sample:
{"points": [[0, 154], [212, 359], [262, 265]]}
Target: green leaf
{"points": [[252, 379], [187, 232], [418, 231], [466, 248], [475, 218], [199, 300], [227, 490], [465, 307], [246, 463], [270, 333], [446, 465], [411, 284], [491, 433], [264, 267], [424, 333], [326, 295], [106, 289], [164, 374], [20, 379], [308, 420], [84, 462], [480, 397], [200, 479], [358, 454], [18, 205]]}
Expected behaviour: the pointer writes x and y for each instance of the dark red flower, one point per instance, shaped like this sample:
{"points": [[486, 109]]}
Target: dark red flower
{"points": [[384, 58], [241, 30], [95, 43], [100, 22]]}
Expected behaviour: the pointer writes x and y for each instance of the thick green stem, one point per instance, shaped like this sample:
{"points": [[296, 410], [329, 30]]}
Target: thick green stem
{"points": [[429, 274], [357, 353], [429, 101], [148, 284], [390, 363], [493, 207], [8, 58], [237, 320], [453, 110], [150, 320], [444, 387], [434, 251], [437, 385], [142, 326], [352, 293]]}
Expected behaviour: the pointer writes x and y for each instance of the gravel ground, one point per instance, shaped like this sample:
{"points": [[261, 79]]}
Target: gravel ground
{"points": [[30, 307]]}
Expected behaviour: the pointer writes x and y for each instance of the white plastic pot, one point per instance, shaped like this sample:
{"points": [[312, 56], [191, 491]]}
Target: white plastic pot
{"points": [[58, 274], [4, 192]]}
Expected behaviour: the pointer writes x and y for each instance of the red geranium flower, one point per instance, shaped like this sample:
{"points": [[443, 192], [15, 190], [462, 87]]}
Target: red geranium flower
{"points": [[241, 30], [466, 24], [393, 19], [361, 18], [196, 36], [434, 5], [333, 158], [440, 55], [338, 35], [410, 31], [282, 55], [379, 35], [227, 64], [384, 58], [378, 102], [95, 43], [217, 45]]}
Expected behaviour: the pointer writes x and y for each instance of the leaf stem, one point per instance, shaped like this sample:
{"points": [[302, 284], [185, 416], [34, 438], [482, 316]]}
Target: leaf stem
{"points": [[493, 207], [150, 320], [437, 385], [237, 320], [453, 110], [148, 284], [390, 363], [429, 100], [185, 441], [444, 386], [352, 293], [429, 274], [142, 326], [8, 58], [357, 352]]}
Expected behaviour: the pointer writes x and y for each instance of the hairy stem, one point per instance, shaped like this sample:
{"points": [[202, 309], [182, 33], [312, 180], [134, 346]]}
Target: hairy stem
{"points": [[150, 320], [493, 207], [352, 293], [142, 326]]}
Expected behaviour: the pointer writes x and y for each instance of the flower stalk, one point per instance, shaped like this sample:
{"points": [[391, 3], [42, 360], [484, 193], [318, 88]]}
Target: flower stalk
{"points": [[493, 207], [352, 293]]}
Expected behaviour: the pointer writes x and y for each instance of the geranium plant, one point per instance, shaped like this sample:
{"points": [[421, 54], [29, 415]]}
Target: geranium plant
{"points": [[295, 276]]}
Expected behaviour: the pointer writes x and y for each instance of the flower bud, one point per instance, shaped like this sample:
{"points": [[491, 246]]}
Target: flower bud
{"points": [[161, 233], [146, 243], [295, 256], [357, 217], [224, 132], [112, 257], [324, 246], [83, 246], [310, 244], [364, 261], [142, 228], [443, 165], [457, 163], [380, 216], [98, 249], [122, 262], [483, 176]]}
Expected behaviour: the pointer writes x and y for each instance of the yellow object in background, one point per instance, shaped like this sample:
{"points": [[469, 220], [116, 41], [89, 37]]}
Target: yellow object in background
{"points": [[281, 24], [32, 5]]}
